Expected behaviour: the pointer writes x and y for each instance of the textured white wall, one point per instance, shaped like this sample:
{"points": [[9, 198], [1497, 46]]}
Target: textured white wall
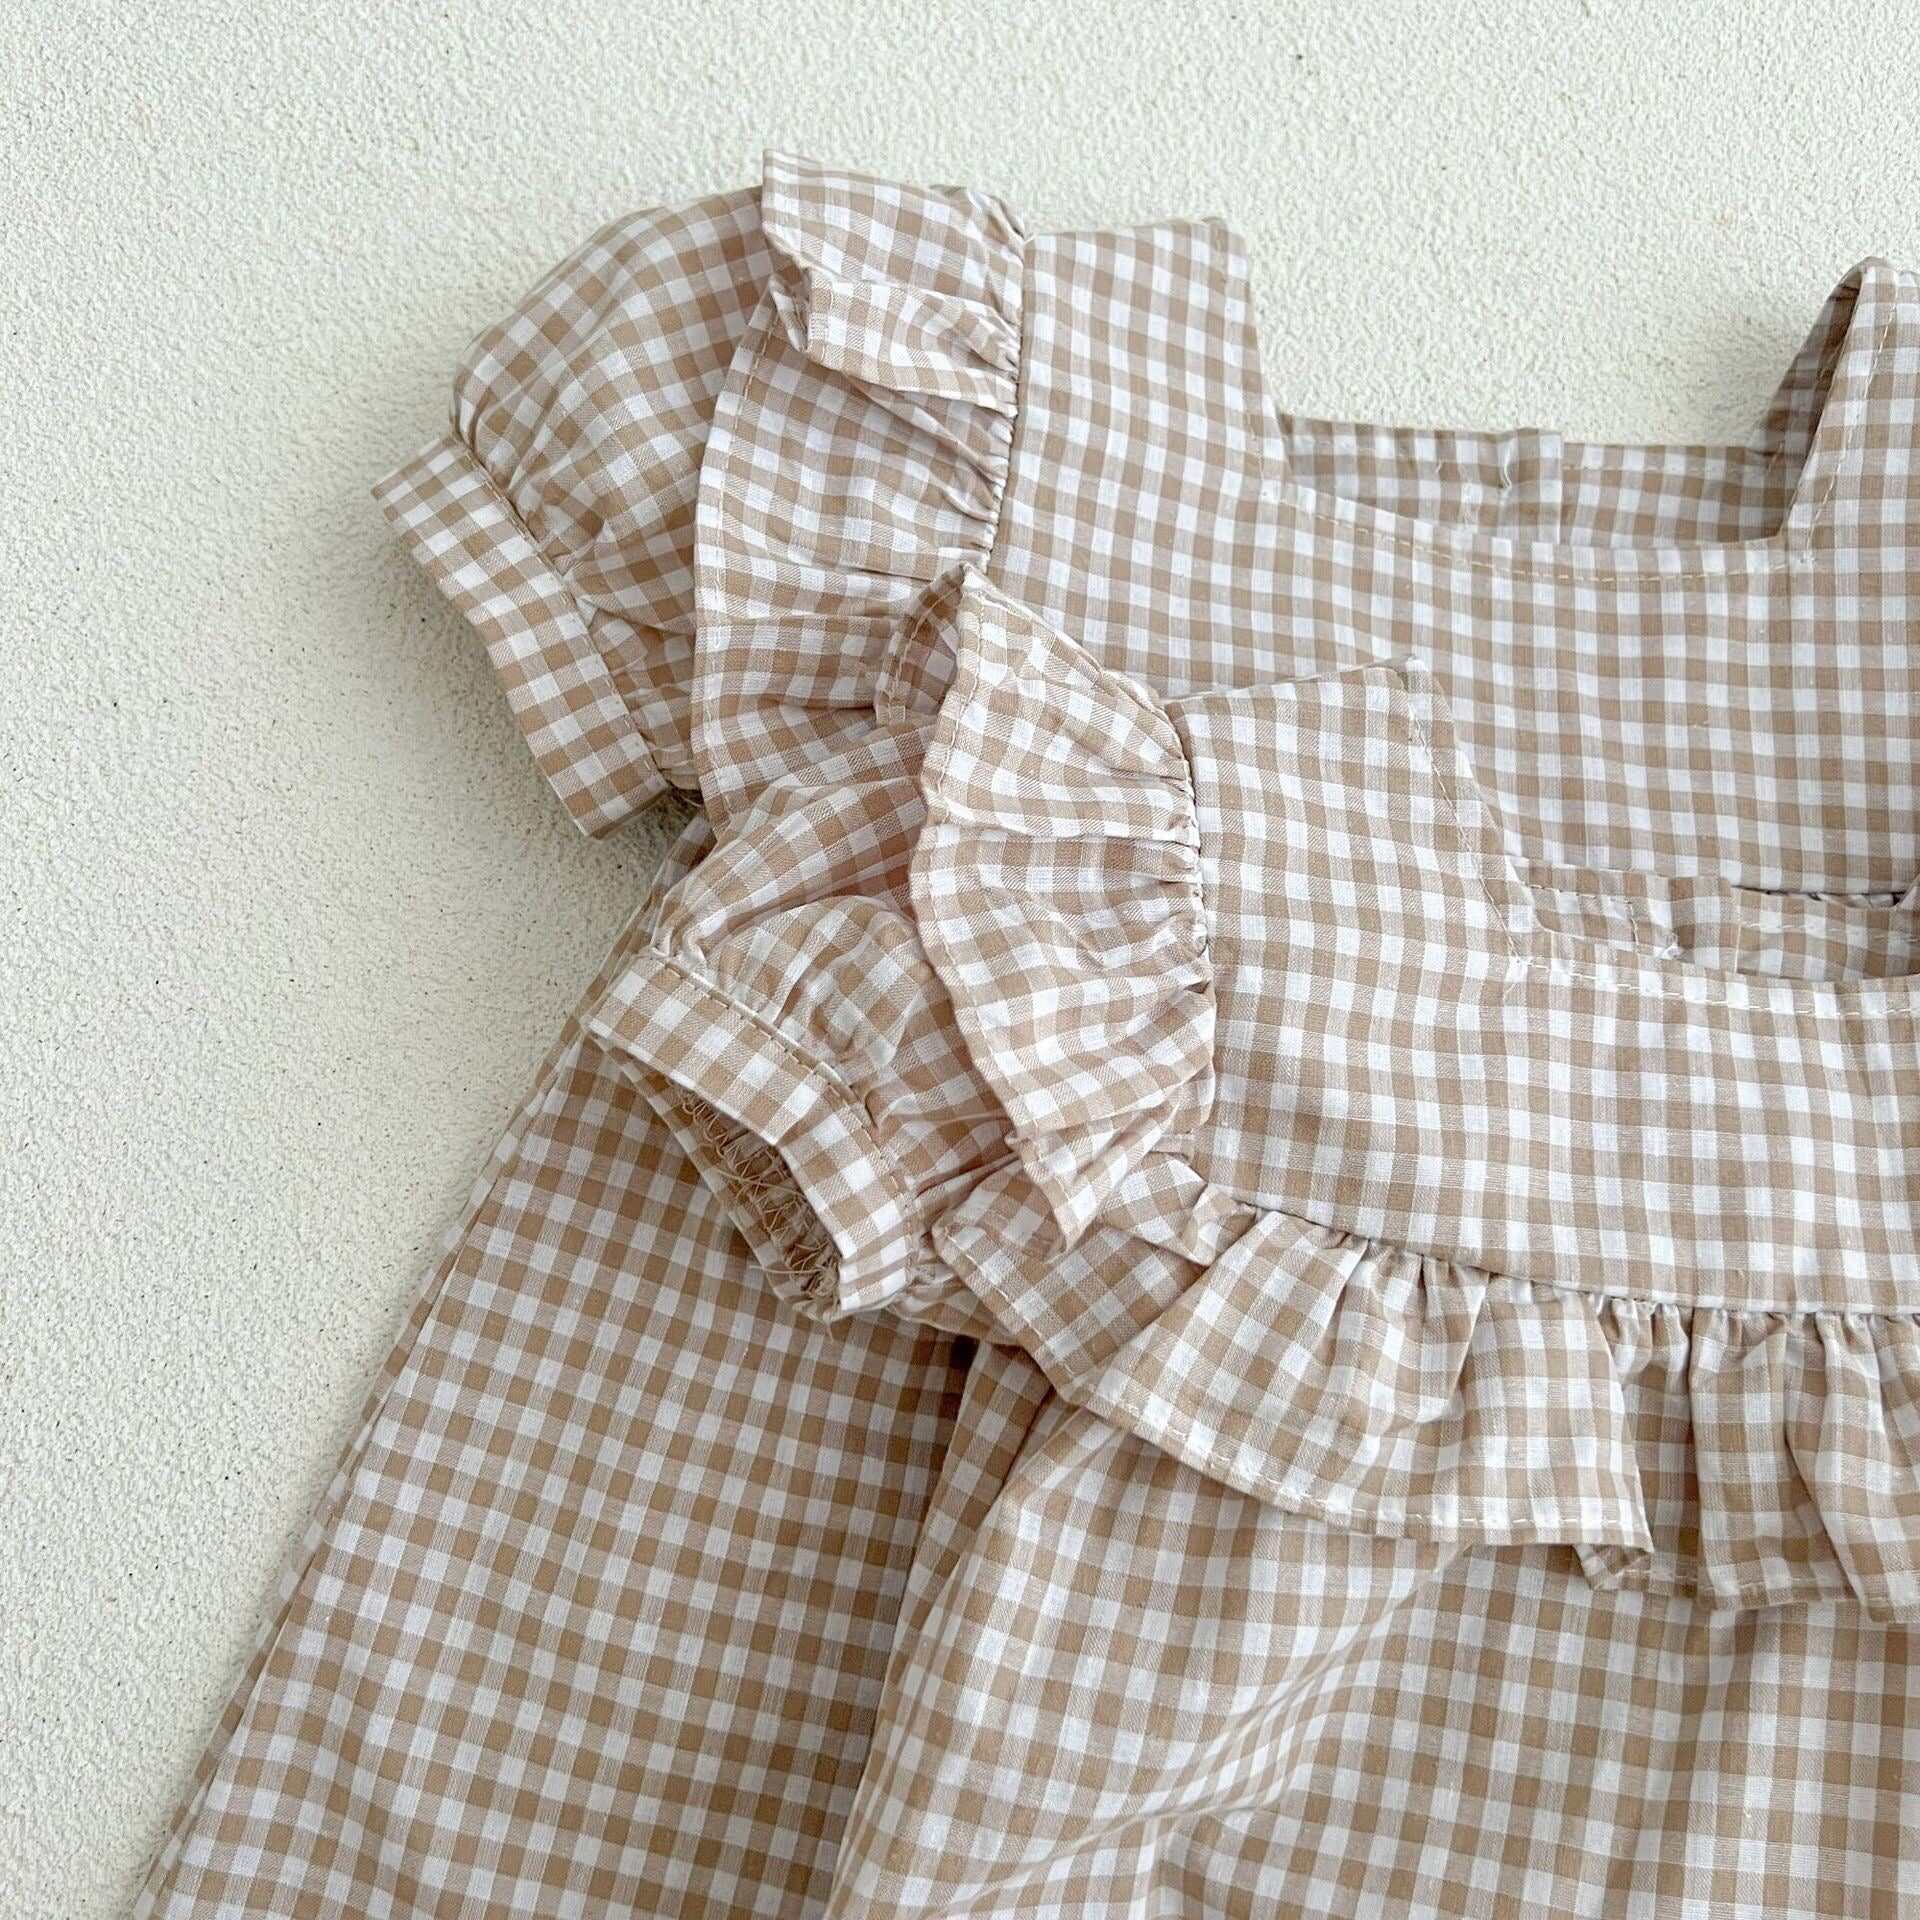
{"points": [[288, 915]]}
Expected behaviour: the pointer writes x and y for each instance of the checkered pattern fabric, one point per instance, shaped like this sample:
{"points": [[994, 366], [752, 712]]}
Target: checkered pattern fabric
{"points": [[1462, 1178], [862, 450], [1138, 1692], [595, 1615], [557, 511], [641, 1591], [1351, 864]]}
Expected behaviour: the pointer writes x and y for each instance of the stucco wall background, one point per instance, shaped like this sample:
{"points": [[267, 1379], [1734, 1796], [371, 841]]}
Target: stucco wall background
{"points": [[289, 916]]}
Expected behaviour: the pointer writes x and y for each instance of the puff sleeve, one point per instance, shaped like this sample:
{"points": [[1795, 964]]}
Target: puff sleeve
{"points": [[786, 1022], [830, 1041], [557, 510]]}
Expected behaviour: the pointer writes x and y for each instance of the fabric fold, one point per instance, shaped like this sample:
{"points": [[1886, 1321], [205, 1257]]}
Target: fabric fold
{"points": [[1743, 1459], [782, 1017], [560, 687], [906, 288], [786, 1139]]}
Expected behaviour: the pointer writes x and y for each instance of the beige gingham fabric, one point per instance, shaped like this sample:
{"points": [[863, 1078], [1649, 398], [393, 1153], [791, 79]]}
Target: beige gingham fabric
{"points": [[1478, 1204], [1059, 1667], [596, 1610], [557, 511], [863, 448], [594, 1616]]}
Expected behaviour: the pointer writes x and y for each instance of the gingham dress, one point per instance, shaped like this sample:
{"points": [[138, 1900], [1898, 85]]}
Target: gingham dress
{"points": [[1363, 973]]}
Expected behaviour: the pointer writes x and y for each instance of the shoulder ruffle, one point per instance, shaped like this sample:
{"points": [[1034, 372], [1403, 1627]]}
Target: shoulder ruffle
{"points": [[915, 289], [1751, 1458], [1058, 891], [860, 451], [558, 510]]}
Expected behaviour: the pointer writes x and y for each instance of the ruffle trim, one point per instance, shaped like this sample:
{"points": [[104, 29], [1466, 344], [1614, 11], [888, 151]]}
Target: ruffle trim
{"points": [[1744, 1459], [1058, 890], [1749, 1458], [861, 451], [915, 289], [783, 1020]]}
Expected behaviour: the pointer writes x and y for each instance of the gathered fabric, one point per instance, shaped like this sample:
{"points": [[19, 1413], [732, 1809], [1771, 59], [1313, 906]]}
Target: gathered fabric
{"points": [[1492, 1327], [1238, 1233]]}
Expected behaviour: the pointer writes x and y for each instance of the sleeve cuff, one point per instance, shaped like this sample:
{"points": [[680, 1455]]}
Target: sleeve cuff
{"points": [[788, 1144], [463, 530]]}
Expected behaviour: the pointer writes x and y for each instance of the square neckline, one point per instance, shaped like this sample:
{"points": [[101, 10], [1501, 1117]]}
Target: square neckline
{"points": [[1853, 349]]}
